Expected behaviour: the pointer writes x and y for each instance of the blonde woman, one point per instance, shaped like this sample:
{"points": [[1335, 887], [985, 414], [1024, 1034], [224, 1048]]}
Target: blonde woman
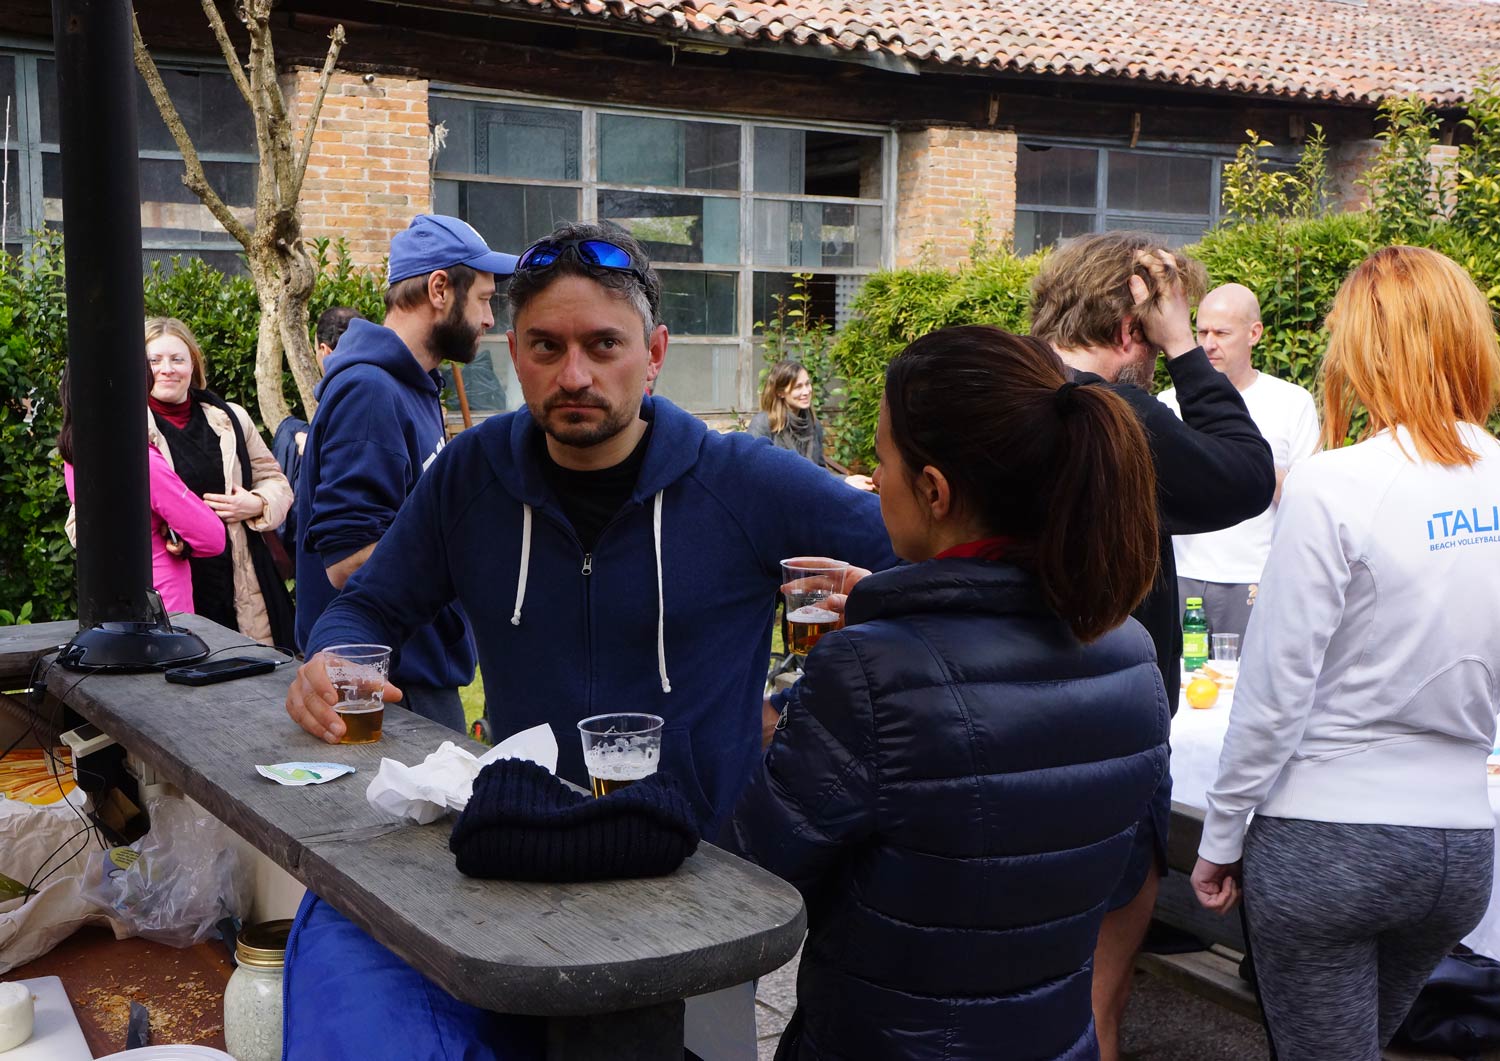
{"points": [[1366, 705], [214, 447], [788, 419]]}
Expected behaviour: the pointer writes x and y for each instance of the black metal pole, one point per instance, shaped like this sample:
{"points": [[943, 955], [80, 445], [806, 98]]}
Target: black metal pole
{"points": [[119, 624], [106, 350]]}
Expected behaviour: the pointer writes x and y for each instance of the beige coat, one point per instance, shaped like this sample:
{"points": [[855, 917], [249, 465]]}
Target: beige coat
{"points": [[267, 480]]}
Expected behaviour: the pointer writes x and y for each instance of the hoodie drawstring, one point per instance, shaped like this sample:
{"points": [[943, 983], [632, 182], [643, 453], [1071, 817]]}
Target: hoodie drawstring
{"points": [[661, 612], [661, 608], [515, 619]]}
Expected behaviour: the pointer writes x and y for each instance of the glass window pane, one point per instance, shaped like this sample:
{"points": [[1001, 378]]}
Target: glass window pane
{"points": [[1039, 229], [677, 228], [8, 100], [169, 212], [817, 234], [229, 262], [489, 380], [700, 377], [1173, 231], [830, 297], [668, 153], [214, 115], [1057, 176], [539, 143], [508, 216], [1168, 184], [807, 162], [10, 225], [694, 303]]}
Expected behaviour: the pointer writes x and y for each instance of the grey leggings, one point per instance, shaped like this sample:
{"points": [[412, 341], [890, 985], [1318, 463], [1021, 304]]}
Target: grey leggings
{"points": [[1347, 922]]}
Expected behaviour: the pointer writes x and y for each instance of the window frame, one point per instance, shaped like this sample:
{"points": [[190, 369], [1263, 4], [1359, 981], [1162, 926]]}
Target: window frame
{"points": [[1217, 155], [589, 186], [32, 149]]}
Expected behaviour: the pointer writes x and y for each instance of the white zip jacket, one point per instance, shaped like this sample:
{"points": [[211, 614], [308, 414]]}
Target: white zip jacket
{"points": [[1368, 688]]}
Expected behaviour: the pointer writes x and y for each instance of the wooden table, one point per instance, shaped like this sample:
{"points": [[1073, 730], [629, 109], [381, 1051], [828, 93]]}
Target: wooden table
{"points": [[608, 963]]}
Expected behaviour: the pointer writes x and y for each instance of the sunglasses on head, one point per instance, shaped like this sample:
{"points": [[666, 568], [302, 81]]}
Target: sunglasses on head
{"points": [[601, 253]]}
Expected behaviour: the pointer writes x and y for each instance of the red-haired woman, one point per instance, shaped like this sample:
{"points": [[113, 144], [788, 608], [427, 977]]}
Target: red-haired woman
{"points": [[1366, 705]]}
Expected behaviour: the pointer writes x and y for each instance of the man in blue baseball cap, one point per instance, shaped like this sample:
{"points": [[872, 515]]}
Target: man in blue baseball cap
{"points": [[379, 424]]}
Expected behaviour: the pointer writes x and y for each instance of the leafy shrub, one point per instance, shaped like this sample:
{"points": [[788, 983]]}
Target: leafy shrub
{"points": [[896, 307], [36, 561]]}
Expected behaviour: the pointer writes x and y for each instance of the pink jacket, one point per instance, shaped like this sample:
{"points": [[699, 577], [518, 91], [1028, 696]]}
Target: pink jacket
{"points": [[174, 505]]}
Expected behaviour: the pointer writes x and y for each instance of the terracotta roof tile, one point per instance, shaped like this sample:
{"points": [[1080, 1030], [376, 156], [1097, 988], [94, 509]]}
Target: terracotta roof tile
{"points": [[1349, 50]]}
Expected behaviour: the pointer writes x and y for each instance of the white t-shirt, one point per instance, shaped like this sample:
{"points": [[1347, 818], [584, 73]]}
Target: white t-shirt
{"points": [[1287, 418]]}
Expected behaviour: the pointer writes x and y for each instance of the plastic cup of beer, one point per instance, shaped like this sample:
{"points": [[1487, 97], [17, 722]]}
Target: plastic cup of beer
{"points": [[808, 582], [619, 750], [358, 674]]}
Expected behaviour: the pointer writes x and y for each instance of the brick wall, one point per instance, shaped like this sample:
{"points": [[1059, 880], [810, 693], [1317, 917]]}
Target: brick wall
{"points": [[947, 178], [1348, 162], [368, 174]]}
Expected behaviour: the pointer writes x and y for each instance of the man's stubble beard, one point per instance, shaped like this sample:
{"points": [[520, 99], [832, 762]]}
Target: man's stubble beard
{"points": [[1139, 372], [581, 434]]}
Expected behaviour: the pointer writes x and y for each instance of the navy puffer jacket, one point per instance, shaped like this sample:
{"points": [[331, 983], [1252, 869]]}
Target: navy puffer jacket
{"points": [[954, 793]]}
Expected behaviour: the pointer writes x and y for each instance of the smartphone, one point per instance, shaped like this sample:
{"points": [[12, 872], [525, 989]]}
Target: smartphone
{"points": [[219, 670]]}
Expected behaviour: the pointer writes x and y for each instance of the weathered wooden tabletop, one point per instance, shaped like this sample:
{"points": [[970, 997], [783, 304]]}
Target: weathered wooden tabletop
{"points": [[550, 950]]}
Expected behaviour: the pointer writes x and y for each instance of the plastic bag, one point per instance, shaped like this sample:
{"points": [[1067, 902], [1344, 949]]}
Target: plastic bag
{"points": [[35, 843], [174, 884]]}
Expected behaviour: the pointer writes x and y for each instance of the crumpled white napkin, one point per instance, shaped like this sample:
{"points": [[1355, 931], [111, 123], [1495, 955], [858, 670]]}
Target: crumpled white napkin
{"points": [[445, 779]]}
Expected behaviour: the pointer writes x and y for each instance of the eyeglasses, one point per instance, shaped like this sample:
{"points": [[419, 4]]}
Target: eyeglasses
{"points": [[601, 253]]}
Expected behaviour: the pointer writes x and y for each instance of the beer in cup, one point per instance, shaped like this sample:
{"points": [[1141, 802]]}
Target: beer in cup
{"points": [[619, 750], [808, 581], [358, 674]]}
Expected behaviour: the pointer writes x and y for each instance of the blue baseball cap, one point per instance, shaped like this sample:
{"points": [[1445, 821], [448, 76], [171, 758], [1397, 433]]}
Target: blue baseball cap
{"points": [[437, 241]]}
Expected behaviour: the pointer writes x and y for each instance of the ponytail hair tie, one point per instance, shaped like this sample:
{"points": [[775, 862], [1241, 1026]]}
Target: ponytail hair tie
{"points": [[1062, 398]]}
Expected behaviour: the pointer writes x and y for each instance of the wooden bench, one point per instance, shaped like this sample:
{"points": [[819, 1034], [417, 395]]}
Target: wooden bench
{"points": [[608, 964], [1214, 973]]}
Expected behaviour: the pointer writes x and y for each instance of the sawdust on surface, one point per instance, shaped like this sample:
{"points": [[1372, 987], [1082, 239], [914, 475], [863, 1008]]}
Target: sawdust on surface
{"points": [[184, 1009]]}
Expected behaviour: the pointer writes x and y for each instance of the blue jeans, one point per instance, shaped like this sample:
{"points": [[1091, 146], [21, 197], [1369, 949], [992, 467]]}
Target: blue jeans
{"points": [[443, 706]]}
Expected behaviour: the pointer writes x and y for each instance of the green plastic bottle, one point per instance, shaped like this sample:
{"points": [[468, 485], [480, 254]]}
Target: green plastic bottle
{"points": [[1194, 635]]}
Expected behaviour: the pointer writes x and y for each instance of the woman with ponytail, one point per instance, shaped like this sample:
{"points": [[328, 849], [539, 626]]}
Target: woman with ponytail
{"points": [[957, 779]]}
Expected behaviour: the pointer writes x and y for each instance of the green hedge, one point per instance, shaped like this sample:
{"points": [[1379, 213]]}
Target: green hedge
{"points": [[36, 561]]}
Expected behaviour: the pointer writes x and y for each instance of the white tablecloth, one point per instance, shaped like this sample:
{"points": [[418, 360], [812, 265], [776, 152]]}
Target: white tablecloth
{"points": [[1197, 737]]}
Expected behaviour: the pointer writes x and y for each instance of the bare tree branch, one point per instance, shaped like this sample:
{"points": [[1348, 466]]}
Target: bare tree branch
{"points": [[193, 176], [299, 170], [231, 58]]}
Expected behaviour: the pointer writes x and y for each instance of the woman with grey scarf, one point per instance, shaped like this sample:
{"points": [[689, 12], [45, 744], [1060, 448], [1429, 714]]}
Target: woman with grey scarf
{"points": [[788, 420]]}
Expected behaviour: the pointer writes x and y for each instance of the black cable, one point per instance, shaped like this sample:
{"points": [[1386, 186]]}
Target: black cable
{"points": [[34, 883]]}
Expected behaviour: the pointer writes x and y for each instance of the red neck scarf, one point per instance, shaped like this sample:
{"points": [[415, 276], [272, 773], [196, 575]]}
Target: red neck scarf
{"points": [[177, 415], [982, 549]]}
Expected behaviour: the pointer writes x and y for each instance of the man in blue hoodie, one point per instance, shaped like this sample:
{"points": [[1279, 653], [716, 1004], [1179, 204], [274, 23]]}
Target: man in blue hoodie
{"points": [[379, 424], [612, 553]]}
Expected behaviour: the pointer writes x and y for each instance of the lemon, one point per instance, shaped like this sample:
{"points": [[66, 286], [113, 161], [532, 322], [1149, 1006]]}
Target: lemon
{"points": [[1202, 692]]}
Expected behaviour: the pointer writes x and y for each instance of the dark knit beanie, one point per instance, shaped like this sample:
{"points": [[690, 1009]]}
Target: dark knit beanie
{"points": [[524, 824]]}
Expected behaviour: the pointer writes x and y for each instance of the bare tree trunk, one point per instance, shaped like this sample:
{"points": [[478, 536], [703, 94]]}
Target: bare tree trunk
{"points": [[282, 270]]}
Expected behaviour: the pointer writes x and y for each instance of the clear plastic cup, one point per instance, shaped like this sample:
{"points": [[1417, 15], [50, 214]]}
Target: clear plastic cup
{"points": [[1225, 647], [808, 582], [358, 674], [620, 749]]}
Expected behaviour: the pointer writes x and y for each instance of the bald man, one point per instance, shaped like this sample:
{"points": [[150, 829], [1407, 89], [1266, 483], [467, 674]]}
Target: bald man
{"points": [[1223, 567]]}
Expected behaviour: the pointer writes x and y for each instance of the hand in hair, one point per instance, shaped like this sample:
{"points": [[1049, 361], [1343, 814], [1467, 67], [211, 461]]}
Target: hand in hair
{"points": [[1162, 305]]}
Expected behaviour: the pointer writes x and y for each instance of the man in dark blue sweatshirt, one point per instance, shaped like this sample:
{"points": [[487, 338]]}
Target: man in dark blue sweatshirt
{"points": [[379, 424], [612, 553]]}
